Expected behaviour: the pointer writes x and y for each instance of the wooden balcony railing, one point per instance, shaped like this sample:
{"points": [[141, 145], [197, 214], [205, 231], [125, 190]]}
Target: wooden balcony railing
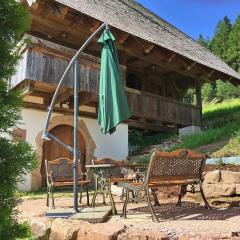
{"points": [[147, 105]]}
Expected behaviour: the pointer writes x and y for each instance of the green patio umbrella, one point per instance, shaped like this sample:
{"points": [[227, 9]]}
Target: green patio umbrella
{"points": [[113, 106]]}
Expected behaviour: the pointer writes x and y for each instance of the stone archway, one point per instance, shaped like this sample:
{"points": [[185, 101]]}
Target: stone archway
{"points": [[90, 145]]}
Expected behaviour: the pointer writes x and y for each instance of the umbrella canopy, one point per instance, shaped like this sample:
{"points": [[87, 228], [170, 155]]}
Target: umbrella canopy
{"points": [[113, 106]]}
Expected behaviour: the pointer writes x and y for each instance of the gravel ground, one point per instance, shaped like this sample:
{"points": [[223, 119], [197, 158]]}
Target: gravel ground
{"points": [[192, 218]]}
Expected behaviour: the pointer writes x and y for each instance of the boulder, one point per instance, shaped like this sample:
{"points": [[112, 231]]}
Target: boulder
{"points": [[230, 177], [63, 229], [238, 189], [40, 227], [212, 177], [203, 237], [139, 234], [219, 189], [101, 231]]}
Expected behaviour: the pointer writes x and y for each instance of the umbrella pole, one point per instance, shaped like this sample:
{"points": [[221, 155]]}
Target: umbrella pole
{"points": [[76, 153]]}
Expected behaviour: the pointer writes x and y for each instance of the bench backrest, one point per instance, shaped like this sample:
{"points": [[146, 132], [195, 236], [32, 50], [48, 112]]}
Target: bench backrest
{"points": [[61, 169], [180, 164]]}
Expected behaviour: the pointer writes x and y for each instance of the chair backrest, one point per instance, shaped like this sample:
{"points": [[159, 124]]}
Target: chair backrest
{"points": [[180, 164], [107, 161], [61, 169]]}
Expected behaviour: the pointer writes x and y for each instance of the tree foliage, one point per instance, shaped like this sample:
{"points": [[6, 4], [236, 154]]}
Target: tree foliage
{"points": [[16, 156], [226, 45]]}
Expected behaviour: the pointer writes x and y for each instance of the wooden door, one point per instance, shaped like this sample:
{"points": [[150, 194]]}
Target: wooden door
{"points": [[53, 150]]}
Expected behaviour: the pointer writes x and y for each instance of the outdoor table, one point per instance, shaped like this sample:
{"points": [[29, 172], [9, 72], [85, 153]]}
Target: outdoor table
{"points": [[103, 173]]}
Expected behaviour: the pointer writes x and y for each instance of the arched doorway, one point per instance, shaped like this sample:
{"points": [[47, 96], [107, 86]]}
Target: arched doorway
{"points": [[53, 150]]}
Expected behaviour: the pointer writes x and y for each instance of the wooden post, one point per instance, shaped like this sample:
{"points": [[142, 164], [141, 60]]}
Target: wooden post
{"points": [[199, 98]]}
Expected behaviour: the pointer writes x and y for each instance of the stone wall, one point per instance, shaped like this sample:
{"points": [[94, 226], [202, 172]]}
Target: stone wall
{"points": [[221, 183]]}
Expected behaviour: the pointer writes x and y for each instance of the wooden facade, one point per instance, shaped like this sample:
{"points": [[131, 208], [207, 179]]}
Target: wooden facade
{"points": [[159, 63], [43, 64]]}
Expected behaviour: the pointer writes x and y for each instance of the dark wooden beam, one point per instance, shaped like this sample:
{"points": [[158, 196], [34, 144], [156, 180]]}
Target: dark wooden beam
{"points": [[199, 97], [69, 111]]}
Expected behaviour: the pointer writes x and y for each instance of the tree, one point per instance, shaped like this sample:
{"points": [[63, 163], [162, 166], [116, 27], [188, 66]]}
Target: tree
{"points": [[16, 156], [233, 53], [220, 41], [204, 42]]}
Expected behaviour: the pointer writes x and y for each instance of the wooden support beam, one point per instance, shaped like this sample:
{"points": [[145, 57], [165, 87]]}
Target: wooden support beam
{"points": [[171, 57], [123, 38], [149, 49], [146, 126], [211, 73], [64, 95], [199, 97], [43, 107], [191, 66], [132, 60], [27, 89], [95, 26]]}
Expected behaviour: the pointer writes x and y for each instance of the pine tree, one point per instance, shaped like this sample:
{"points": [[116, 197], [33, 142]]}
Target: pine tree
{"points": [[220, 41], [233, 53], [204, 42], [16, 156]]}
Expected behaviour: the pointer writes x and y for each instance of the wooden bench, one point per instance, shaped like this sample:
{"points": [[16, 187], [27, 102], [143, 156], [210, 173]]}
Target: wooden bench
{"points": [[181, 167], [60, 174]]}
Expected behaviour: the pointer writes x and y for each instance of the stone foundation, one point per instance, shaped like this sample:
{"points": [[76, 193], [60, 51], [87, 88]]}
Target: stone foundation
{"points": [[221, 183]]}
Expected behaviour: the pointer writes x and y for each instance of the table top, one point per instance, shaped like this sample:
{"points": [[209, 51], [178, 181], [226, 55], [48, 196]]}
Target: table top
{"points": [[115, 165], [100, 166]]}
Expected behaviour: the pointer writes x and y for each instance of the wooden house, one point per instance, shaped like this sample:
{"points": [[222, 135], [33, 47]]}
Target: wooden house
{"points": [[159, 64]]}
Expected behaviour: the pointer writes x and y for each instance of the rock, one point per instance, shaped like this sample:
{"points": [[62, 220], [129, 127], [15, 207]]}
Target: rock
{"points": [[101, 231], [196, 188], [219, 189], [238, 189], [40, 227], [212, 177], [202, 237], [63, 229], [139, 234], [189, 131], [230, 177]]}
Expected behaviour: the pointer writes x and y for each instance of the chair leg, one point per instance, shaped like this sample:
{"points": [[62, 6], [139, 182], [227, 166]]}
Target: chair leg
{"points": [[103, 196], [122, 195], [94, 198], [80, 190], [47, 200], [87, 193], [124, 212], [203, 197], [53, 201], [156, 202], [154, 218], [181, 194]]}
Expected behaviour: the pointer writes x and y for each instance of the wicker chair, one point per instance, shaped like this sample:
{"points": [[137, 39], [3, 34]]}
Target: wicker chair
{"points": [[181, 167]]}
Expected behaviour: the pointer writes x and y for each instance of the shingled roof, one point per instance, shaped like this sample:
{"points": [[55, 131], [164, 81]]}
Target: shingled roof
{"points": [[131, 17]]}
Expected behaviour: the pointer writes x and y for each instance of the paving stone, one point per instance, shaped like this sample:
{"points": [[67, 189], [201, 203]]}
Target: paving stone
{"points": [[139, 234], [103, 231], [93, 215]]}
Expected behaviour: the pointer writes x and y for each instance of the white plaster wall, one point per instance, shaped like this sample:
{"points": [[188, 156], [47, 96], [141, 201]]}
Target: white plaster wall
{"points": [[114, 146]]}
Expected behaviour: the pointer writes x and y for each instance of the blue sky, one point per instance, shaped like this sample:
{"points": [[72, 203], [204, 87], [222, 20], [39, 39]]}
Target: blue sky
{"points": [[194, 17]]}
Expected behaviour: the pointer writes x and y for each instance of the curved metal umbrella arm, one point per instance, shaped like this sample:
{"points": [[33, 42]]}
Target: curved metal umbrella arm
{"points": [[45, 135]]}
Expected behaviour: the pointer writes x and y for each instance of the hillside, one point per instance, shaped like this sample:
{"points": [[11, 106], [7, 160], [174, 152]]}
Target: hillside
{"points": [[220, 137]]}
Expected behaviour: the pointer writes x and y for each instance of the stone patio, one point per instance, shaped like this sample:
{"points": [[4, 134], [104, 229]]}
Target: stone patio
{"points": [[192, 221]]}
